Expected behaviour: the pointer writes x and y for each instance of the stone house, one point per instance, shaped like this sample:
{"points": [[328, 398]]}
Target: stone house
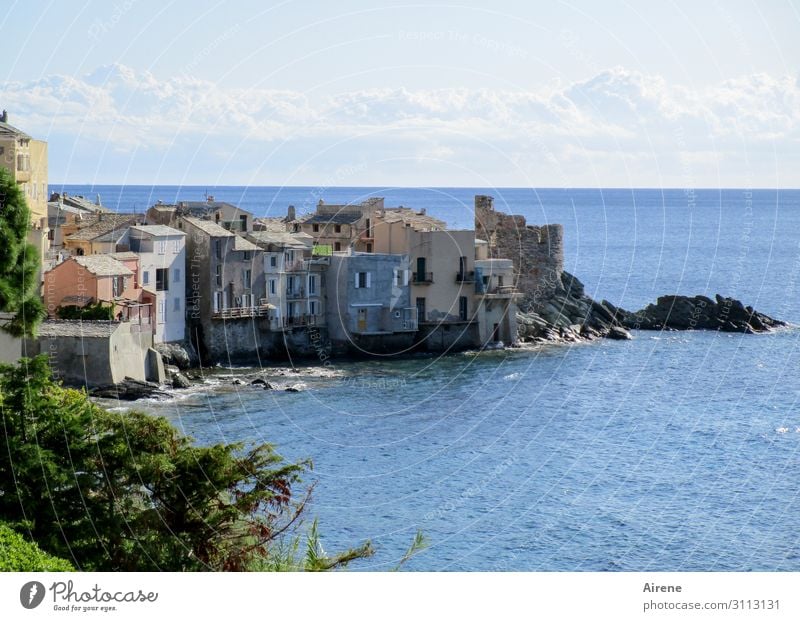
{"points": [[226, 215]]}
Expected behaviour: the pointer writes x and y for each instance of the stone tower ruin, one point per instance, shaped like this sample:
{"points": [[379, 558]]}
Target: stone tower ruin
{"points": [[537, 251]]}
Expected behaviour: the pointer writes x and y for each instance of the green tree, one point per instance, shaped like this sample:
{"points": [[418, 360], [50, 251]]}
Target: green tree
{"points": [[126, 491], [17, 554], [19, 262]]}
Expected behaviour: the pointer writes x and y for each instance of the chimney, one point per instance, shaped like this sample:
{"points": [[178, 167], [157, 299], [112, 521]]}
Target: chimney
{"points": [[290, 214], [422, 211], [4, 116]]}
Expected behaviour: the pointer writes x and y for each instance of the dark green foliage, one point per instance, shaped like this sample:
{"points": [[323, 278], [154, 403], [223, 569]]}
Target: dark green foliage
{"points": [[19, 262], [16, 554], [125, 491], [91, 311]]}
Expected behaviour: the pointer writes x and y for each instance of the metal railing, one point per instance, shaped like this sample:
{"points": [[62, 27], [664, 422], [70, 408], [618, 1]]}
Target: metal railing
{"points": [[465, 276], [241, 311], [422, 278]]}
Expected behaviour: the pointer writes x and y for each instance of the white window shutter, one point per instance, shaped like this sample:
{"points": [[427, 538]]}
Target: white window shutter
{"points": [[369, 279], [405, 278], [356, 280]]}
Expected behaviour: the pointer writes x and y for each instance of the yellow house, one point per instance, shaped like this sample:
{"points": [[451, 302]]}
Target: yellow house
{"points": [[26, 160]]}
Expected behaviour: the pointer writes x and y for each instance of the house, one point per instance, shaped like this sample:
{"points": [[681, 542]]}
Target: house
{"points": [[161, 251], [294, 272], [98, 233], [107, 279], [229, 217], [354, 226], [26, 160], [224, 283], [369, 305], [496, 297]]}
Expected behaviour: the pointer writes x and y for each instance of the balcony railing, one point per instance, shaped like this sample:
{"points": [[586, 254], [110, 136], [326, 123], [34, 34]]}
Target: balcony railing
{"points": [[242, 311], [296, 321], [465, 276], [296, 293], [422, 278], [502, 290]]}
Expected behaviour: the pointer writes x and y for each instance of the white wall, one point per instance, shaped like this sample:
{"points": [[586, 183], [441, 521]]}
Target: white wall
{"points": [[170, 325]]}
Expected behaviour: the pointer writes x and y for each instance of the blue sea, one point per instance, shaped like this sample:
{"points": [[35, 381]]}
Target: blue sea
{"points": [[674, 451]]}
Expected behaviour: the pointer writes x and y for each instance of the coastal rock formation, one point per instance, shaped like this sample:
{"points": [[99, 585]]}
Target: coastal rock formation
{"points": [[178, 355], [680, 312], [129, 390], [568, 314], [179, 380]]}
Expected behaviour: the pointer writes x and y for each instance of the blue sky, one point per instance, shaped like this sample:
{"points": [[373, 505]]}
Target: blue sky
{"points": [[673, 94]]}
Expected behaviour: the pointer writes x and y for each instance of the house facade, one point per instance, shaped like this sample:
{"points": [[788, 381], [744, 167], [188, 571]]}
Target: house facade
{"points": [[162, 272], [369, 303]]}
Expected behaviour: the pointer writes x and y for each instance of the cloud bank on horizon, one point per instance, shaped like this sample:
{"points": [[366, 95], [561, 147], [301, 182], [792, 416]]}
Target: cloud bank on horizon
{"points": [[619, 128]]}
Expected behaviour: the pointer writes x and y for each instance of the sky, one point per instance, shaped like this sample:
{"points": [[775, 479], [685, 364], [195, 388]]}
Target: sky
{"points": [[680, 94]]}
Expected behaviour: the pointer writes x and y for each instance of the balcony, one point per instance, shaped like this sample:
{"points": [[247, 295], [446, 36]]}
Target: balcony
{"points": [[499, 291], [296, 321], [422, 278], [465, 277], [243, 311], [295, 294]]}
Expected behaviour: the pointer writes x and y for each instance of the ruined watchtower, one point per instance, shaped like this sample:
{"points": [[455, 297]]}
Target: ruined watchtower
{"points": [[537, 251]]}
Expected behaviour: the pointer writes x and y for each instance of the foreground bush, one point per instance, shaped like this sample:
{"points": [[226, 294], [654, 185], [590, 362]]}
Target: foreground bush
{"points": [[126, 491], [16, 554]]}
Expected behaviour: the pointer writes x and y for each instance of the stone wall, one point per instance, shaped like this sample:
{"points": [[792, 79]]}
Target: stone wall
{"points": [[537, 251]]}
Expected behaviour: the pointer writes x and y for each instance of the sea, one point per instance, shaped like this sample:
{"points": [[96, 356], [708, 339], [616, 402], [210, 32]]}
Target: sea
{"points": [[675, 451]]}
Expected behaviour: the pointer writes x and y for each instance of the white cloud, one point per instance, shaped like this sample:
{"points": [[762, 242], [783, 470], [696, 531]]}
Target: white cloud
{"points": [[567, 131]]}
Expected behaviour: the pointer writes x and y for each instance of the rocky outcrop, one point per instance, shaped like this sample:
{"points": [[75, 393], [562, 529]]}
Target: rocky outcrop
{"points": [[179, 380], [680, 312], [129, 390], [568, 314], [178, 355]]}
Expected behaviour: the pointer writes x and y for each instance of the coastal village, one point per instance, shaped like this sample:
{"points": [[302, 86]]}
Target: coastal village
{"points": [[206, 282], [133, 299]]}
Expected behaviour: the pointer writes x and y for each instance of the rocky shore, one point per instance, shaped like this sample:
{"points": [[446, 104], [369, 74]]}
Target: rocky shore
{"points": [[569, 315]]}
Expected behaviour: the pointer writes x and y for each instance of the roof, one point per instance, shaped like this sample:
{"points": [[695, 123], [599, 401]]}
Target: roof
{"points": [[112, 236], [240, 243], [102, 224], [333, 218], [282, 238], [76, 328], [418, 219], [124, 256], [198, 208], [207, 226], [102, 265], [275, 225], [157, 230], [10, 130]]}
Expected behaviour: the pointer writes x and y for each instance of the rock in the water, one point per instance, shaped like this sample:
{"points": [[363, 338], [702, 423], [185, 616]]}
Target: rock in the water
{"points": [[618, 333], [177, 354], [296, 388], [680, 312], [237, 382], [129, 390], [179, 380]]}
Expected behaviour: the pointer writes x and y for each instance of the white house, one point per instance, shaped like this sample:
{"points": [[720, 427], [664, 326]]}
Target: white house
{"points": [[162, 261]]}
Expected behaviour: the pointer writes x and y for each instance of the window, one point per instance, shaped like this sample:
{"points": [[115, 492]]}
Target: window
{"points": [[162, 311], [116, 286], [337, 246], [368, 232], [218, 275], [247, 278], [218, 248], [162, 279], [420, 309], [462, 307], [243, 222], [363, 280], [247, 255], [499, 280], [176, 305], [272, 286], [369, 247], [290, 285], [315, 228], [312, 285], [176, 246], [313, 307], [162, 247], [462, 267], [176, 275], [273, 261], [337, 228]]}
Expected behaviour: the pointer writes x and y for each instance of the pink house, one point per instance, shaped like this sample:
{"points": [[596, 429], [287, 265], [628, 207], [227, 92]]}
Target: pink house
{"points": [[111, 279]]}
